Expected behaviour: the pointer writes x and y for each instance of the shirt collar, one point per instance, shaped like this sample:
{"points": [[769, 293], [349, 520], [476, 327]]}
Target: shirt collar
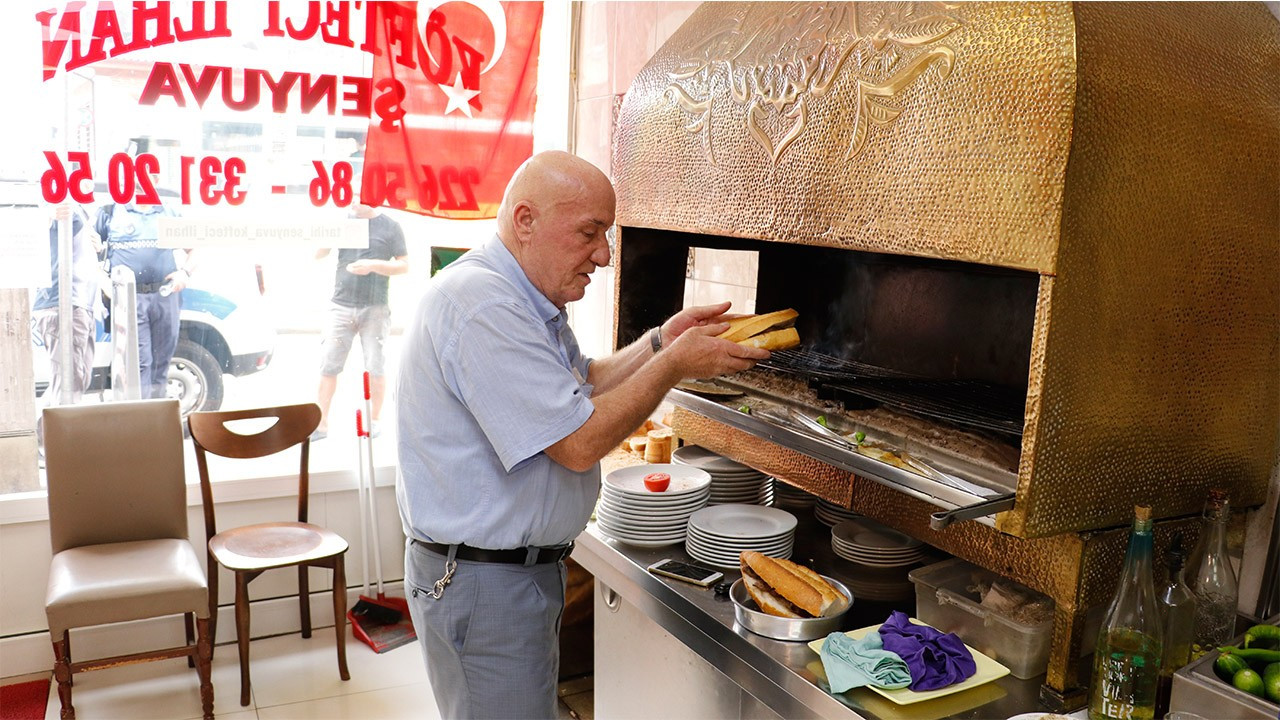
{"points": [[509, 267]]}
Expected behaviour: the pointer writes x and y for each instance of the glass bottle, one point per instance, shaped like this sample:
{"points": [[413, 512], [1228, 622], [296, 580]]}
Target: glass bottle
{"points": [[1178, 611], [1211, 578], [1127, 660]]}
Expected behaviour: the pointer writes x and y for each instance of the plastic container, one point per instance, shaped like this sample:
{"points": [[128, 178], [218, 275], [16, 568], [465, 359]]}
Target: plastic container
{"points": [[944, 601]]}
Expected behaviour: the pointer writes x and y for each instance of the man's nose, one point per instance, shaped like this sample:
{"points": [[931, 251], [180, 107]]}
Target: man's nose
{"points": [[601, 255]]}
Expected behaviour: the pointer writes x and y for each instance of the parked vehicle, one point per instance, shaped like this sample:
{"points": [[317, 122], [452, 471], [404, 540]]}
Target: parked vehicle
{"points": [[223, 326]]}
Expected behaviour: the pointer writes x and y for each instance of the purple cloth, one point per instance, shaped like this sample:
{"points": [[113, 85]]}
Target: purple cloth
{"points": [[935, 660]]}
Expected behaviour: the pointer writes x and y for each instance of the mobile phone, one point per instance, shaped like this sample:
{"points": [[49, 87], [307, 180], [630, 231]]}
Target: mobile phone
{"points": [[701, 577]]}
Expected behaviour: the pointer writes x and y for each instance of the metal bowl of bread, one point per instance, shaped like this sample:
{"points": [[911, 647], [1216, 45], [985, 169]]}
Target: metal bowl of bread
{"points": [[782, 600]]}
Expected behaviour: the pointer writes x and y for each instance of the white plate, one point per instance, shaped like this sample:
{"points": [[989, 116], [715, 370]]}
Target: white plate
{"points": [[707, 460], [637, 542], [685, 480], [622, 527], [722, 561], [869, 534], [621, 503], [744, 521], [739, 543], [623, 523], [739, 547], [875, 552]]}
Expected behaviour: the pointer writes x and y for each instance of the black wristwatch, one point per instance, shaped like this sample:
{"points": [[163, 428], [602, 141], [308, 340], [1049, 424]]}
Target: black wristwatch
{"points": [[655, 338]]}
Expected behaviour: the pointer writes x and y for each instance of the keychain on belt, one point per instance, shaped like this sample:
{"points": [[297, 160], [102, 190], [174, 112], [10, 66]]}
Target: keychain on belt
{"points": [[450, 565]]}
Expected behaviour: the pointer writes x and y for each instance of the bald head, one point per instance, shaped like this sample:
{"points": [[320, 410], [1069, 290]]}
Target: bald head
{"points": [[547, 180], [553, 219]]}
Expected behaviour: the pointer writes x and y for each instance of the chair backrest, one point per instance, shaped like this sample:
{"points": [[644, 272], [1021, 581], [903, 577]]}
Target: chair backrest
{"points": [[115, 473], [210, 434]]}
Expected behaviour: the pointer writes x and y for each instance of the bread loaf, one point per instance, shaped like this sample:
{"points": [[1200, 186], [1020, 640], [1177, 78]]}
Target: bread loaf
{"points": [[783, 588], [658, 448], [742, 328], [776, 340]]}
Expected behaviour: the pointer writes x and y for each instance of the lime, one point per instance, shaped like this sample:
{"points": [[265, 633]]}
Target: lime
{"points": [[1249, 681]]}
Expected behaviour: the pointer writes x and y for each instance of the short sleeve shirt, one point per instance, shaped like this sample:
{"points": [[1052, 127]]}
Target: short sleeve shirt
{"points": [[491, 376], [132, 242], [386, 242]]}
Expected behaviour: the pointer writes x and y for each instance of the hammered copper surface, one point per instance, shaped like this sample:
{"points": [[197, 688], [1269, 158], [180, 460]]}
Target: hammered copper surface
{"points": [[1138, 176], [825, 481], [1161, 367], [935, 129]]}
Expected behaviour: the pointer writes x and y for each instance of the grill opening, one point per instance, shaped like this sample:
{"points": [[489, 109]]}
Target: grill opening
{"points": [[944, 340]]}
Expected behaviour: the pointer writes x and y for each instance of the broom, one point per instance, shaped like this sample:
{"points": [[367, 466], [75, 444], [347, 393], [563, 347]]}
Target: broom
{"points": [[382, 623]]}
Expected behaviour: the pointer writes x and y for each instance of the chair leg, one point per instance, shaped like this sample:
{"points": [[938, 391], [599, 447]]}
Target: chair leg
{"points": [[189, 622], [204, 661], [213, 605], [304, 600], [340, 614], [62, 671], [242, 633]]}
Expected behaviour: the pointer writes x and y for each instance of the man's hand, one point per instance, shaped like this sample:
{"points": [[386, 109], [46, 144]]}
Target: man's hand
{"points": [[699, 316], [360, 267], [699, 354], [179, 279]]}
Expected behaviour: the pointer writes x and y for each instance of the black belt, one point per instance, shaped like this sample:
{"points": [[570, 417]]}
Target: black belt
{"points": [[149, 287], [511, 557]]}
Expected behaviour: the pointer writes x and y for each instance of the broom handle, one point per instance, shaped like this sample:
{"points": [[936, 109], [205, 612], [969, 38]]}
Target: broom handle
{"points": [[364, 529], [373, 488]]}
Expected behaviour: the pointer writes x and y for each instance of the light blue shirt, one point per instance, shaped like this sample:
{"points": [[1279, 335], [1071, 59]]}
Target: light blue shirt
{"points": [[491, 376]]}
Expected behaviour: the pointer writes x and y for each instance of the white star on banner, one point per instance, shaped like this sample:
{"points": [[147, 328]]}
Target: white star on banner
{"points": [[459, 97]]}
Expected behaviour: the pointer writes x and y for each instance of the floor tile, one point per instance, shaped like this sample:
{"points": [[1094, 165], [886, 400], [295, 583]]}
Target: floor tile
{"points": [[410, 702], [161, 690], [289, 669]]}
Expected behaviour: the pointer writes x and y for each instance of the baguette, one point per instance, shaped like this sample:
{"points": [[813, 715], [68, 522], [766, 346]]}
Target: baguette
{"points": [[742, 328], [783, 588], [776, 340]]}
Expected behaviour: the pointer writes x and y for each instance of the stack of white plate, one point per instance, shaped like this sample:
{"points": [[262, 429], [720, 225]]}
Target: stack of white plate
{"points": [[791, 497], [633, 514], [828, 513], [867, 542], [718, 535], [731, 482]]}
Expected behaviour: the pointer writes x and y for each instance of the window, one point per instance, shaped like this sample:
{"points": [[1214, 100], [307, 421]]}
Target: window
{"points": [[252, 319]]}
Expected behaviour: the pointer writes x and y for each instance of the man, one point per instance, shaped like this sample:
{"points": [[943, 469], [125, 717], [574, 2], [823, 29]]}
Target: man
{"points": [[84, 302], [502, 423], [360, 308], [131, 233]]}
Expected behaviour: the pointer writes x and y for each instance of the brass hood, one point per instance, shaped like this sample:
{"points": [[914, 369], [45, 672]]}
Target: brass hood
{"points": [[1128, 153]]}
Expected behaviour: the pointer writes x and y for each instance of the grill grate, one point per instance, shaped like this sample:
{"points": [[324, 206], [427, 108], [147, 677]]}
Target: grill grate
{"points": [[967, 403]]}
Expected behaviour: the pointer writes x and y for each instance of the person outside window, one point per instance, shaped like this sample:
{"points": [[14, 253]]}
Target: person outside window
{"points": [[131, 232], [85, 246], [360, 308], [502, 423]]}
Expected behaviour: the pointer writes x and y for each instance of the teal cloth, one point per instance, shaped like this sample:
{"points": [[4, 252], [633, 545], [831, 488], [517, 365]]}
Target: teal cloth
{"points": [[853, 663]]}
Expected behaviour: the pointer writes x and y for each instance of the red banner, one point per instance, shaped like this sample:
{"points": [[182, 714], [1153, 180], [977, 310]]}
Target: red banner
{"points": [[453, 87]]}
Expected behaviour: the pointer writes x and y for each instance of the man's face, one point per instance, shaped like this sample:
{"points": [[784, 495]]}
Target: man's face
{"points": [[568, 243]]}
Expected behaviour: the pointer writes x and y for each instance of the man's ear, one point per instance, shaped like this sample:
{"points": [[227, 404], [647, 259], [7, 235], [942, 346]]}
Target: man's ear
{"points": [[523, 217]]}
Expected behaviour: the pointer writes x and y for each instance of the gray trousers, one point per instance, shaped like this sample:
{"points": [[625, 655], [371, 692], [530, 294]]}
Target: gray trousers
{"points": [[158, 330], [492, 641]]}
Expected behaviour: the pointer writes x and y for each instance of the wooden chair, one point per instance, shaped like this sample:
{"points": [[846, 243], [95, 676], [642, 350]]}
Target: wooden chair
{"points": [[118, 526], [250, 550]]}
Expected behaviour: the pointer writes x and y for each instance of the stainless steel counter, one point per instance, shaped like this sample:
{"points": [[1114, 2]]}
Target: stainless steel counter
{"points": [[784, 677]]}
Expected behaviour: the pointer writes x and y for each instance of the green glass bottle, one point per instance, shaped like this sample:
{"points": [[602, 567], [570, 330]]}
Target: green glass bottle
{"points": [[1126, 664]]}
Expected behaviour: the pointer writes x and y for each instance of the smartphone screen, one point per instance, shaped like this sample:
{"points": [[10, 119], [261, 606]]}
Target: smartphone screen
{"points": [[686, 572]]}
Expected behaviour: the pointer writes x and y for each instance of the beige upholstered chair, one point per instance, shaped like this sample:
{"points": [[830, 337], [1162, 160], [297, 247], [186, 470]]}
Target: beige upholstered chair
{"points": [[118, 525], [250, 550]]}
